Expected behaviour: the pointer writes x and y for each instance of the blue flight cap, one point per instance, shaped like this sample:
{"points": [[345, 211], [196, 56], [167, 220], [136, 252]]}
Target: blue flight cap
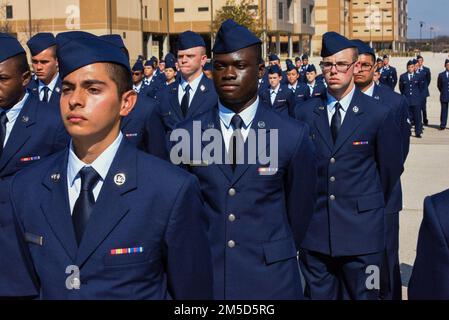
{"points": [[41, 41], [169, 57], [363, 48], [170, 63], [275, 69], [446, 62], [291, 66], [311, 68], [232, 37], [138, 66], [288, 61], [77, 49], [419, 57], [386, 56], [410, 63], [116, 40], [190, 39], [334, 42], [379, 59], [305, 57], [297, 59], [207, 66], [151, 62], [10, 47], [415, 61], [273, 57]]}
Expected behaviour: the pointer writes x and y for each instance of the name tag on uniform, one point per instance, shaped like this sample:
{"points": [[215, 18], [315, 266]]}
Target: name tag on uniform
{"points": [[29, 159], [267, 171], [131, 135], [360, 143], [116, 252], [282, 100], [35, 239]]}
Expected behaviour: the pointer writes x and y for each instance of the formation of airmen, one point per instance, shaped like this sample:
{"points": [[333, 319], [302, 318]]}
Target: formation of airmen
{"points": [[93, 205]]}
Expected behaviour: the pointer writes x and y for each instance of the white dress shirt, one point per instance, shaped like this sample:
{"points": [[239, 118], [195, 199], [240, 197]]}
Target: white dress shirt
{"points": [[274, 93], [345, 102], [101, 166], [12, 115], [193, 87], [51, 86], [311, 86], [293, 87], [226, 116], [138, 87], [370, 91]]}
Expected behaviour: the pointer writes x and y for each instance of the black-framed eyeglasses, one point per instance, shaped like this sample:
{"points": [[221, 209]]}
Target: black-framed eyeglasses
{"points": [[342, 67], [366, 66], [138, 73]]}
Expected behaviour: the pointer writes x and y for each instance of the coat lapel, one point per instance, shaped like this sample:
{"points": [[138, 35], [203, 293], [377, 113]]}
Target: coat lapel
{"points": [[111, 205], [198, 98], [174, 102], [260, 122], [322, 124], [55, 205], [56, 94], [214, 123], [22, 130], [350, 122]]}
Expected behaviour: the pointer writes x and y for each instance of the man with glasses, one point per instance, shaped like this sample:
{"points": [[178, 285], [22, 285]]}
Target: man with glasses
{"points": [[391, 288], [359, 156]]}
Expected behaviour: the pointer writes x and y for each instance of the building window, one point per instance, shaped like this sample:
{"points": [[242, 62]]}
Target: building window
{"points": [[203, 9], [9, 14], [160, 13], [124, 35], [281, 11], [178, 10], [304, 15], [146, 12]]}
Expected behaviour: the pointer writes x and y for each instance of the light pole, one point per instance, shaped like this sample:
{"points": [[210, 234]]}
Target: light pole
{"points": [[431, 38], [29, 19]]}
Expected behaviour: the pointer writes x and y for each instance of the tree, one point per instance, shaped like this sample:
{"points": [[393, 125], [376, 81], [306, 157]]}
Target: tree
{"points": [[243, 12]]}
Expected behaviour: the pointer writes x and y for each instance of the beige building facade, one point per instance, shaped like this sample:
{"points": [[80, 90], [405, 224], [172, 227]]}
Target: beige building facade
{"points": [[152, 27], [382, 23]]}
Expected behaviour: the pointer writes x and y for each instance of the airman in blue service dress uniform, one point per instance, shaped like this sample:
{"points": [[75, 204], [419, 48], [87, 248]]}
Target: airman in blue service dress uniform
{"points": [[300, 90], [359, 156], [194, 93], [30, 130], [101, 219], [258, 214], [47, 84], [427, 75], [391, 285], [279, 96], [388, 74], [430, 276], [412, 86], [315, 84], [443, 87]]}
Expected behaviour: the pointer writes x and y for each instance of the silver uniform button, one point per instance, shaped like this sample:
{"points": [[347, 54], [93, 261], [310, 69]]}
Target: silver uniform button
{"points": [[231, 217], [332, 179], [332, 197], [232, 192], [333, 160], [231, 243]]}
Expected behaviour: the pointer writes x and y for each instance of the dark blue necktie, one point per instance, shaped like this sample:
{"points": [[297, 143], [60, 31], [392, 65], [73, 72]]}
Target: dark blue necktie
{"points": [[45, 97], [237, 142], [185, 101], [3, 121], [85, 202], [336, 122]]}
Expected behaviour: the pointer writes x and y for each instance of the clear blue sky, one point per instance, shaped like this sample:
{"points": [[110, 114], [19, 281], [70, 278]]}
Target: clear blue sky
{"points": [[435, 13]]}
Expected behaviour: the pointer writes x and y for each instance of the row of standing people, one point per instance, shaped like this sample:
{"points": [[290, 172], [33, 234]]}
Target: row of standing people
{"points": [[334, 194]]}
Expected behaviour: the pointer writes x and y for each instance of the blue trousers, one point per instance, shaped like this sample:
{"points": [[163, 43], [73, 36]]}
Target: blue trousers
{"points": [[443, 116]]}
